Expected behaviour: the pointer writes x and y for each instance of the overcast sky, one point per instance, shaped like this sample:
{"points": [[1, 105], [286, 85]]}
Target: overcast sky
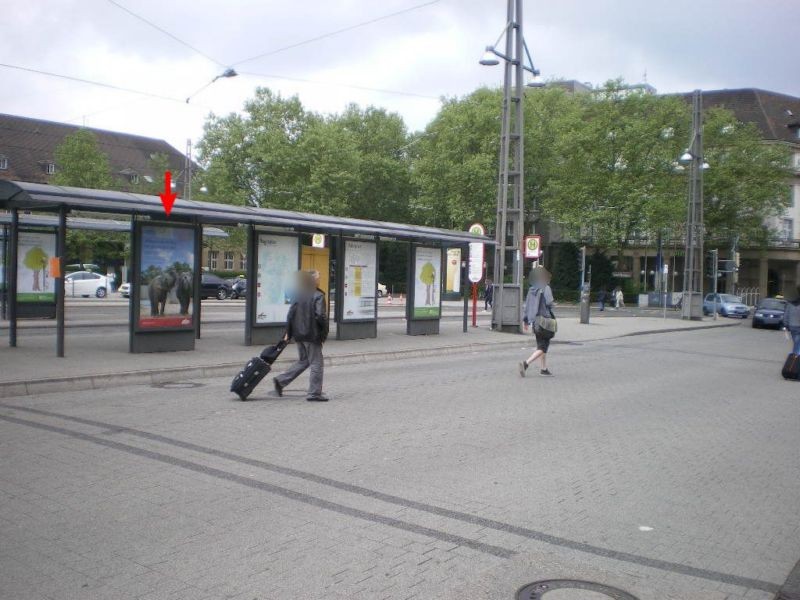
{"points": [[430, 52]]}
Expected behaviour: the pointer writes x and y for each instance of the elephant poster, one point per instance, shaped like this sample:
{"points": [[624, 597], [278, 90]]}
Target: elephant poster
{"points": [[427, 282], [166, 261], [34, 282]]}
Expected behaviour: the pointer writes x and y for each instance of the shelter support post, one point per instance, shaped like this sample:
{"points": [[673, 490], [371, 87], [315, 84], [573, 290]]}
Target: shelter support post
{"points": [[4, 295], [61, 250], [13, 249], [198, 267], [250, 292], [465, 287]]}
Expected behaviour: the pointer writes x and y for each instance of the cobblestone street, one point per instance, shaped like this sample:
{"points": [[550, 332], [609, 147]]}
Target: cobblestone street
{"points": [[665, 465]]}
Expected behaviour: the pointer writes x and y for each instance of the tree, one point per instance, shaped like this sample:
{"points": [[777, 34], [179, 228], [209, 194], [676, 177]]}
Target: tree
{"points": [[745, 185], [615, 179], [80, 163], [36, 260]]}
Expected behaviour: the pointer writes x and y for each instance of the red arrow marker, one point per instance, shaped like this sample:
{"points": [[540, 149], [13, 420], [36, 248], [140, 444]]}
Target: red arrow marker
{"points": [[168, 196]]}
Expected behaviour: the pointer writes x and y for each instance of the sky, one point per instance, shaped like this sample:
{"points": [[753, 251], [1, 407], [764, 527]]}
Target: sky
{"points": [[427, 53]]}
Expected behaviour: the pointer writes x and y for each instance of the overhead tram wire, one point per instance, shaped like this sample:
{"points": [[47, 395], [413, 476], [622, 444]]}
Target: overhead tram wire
{"points": [[95, 83], [337, 32], [165, 32], [342, 85]]}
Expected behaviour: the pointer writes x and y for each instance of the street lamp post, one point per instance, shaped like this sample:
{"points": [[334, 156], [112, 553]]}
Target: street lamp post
{"points": [[692, 304], [510, 225]]}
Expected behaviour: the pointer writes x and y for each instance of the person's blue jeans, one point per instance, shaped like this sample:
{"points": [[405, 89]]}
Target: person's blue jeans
{"points": [[795, 331]]}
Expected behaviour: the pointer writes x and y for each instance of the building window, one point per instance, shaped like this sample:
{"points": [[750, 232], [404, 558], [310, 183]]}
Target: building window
{"points": [[134, 179], [3, 163], [50, 168], [212, 259], [242, 262], [229, 261], [787, 229]]}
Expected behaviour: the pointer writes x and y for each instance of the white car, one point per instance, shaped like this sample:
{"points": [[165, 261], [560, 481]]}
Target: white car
{"points": [[86, 283], [382, 291], [125, 290]]}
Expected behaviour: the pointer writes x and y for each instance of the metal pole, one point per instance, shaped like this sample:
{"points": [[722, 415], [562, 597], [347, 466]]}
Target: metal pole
{"points": [[464, 291], [61, 250], [715, 272], [3, 283], [13, 251], [187, 172], [198, 267]]}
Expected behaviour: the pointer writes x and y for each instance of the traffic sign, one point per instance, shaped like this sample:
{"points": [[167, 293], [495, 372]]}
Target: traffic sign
{"points": [[533, 246]]}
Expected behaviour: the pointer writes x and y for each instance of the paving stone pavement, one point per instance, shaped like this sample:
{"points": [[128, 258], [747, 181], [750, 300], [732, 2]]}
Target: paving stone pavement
{"points": [[428, 478]]}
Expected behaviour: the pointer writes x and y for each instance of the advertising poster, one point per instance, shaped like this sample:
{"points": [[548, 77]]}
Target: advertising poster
{"points": [[360, 280], [166, 260], [34, 282], [427, 282], [278, 263], [453, 279]]}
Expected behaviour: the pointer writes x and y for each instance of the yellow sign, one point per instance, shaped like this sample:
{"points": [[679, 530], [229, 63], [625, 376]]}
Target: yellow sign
{"points": [[318, 240]]}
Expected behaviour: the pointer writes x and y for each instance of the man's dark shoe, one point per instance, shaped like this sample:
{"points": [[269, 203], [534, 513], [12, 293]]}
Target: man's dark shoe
{"points": [[278, 387], [545, 373], [318, 398]]}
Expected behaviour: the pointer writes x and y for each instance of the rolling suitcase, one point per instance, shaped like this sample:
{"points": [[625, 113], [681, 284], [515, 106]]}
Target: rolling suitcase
{"points": [[271, 353], [791, 368], [248, 378]]}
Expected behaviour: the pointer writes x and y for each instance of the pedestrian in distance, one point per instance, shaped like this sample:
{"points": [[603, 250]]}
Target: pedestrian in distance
{"points": [[619, 297], [488, 295], [791, 322], [538, 314], [307, 325], [601, 298]]}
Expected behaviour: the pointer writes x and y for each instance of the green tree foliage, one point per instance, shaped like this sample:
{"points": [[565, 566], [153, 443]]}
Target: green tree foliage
{"points": [[746, 181], [36, 260], [566, 274], [81, 163], [615, 178], [279, 155]]}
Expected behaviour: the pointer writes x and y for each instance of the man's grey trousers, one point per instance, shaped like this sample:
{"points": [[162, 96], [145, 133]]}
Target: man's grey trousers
{"points": [[310, 355]]}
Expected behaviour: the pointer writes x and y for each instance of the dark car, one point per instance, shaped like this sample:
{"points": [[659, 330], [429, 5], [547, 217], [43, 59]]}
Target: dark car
{"points": [[769, 312], [212, 286], [239, 288]]}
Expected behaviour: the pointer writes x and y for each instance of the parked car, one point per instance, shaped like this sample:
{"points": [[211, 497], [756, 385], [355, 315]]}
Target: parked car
{"points": [[74, 268], [85, 283], [213, 286], [769, 313], [382, 291], [238, 288], [125, 290], [726, 305]]}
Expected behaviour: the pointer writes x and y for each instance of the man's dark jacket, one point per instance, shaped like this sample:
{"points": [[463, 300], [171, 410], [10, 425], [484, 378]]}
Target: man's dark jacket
{"points": [[308, 318]]}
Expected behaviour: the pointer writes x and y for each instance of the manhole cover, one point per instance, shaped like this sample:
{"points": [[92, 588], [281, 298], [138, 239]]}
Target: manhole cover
{"points": [[177, 385], [565, 587]]}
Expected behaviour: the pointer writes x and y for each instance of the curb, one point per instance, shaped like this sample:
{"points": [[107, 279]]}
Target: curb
{"points": [[80, 383]]}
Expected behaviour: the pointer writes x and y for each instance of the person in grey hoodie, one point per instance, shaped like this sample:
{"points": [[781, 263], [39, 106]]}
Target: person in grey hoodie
{"points": [[538, 302], [791, 322]]}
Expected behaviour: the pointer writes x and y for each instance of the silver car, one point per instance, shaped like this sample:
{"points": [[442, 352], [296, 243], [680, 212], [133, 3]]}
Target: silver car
{"points": [[727, 305]]}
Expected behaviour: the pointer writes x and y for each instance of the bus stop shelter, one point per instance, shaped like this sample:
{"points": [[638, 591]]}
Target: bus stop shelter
{"points": [[166, 263]]}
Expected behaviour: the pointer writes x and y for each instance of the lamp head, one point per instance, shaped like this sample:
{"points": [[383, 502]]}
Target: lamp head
{"points": [[229, 72], [489, 59], [686, 158]]}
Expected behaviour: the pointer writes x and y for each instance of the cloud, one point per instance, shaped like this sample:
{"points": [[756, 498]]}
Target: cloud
{"points": [[682, 44]]}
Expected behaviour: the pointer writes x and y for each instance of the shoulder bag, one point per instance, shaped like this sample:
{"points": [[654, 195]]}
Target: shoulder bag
{"points": [[546, 324]]}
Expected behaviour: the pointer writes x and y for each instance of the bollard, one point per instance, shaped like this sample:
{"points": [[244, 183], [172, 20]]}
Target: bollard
{"points": [[585, 303]]}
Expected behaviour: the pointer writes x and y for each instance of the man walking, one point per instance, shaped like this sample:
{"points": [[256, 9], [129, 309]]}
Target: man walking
{"points": [[601, 298], [488, 295], [307, 325]]}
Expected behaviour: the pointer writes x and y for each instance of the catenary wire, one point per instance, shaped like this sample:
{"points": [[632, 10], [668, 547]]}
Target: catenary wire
{"points": [[165, 32], [337, 32], [343, 85]]}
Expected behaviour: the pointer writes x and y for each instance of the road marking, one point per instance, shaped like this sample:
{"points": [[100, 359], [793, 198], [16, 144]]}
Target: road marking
{"points": [[532, 534]]}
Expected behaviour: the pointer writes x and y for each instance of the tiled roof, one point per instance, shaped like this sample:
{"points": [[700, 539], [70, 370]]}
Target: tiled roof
{"points": [[773, 113], [30, 144]]}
